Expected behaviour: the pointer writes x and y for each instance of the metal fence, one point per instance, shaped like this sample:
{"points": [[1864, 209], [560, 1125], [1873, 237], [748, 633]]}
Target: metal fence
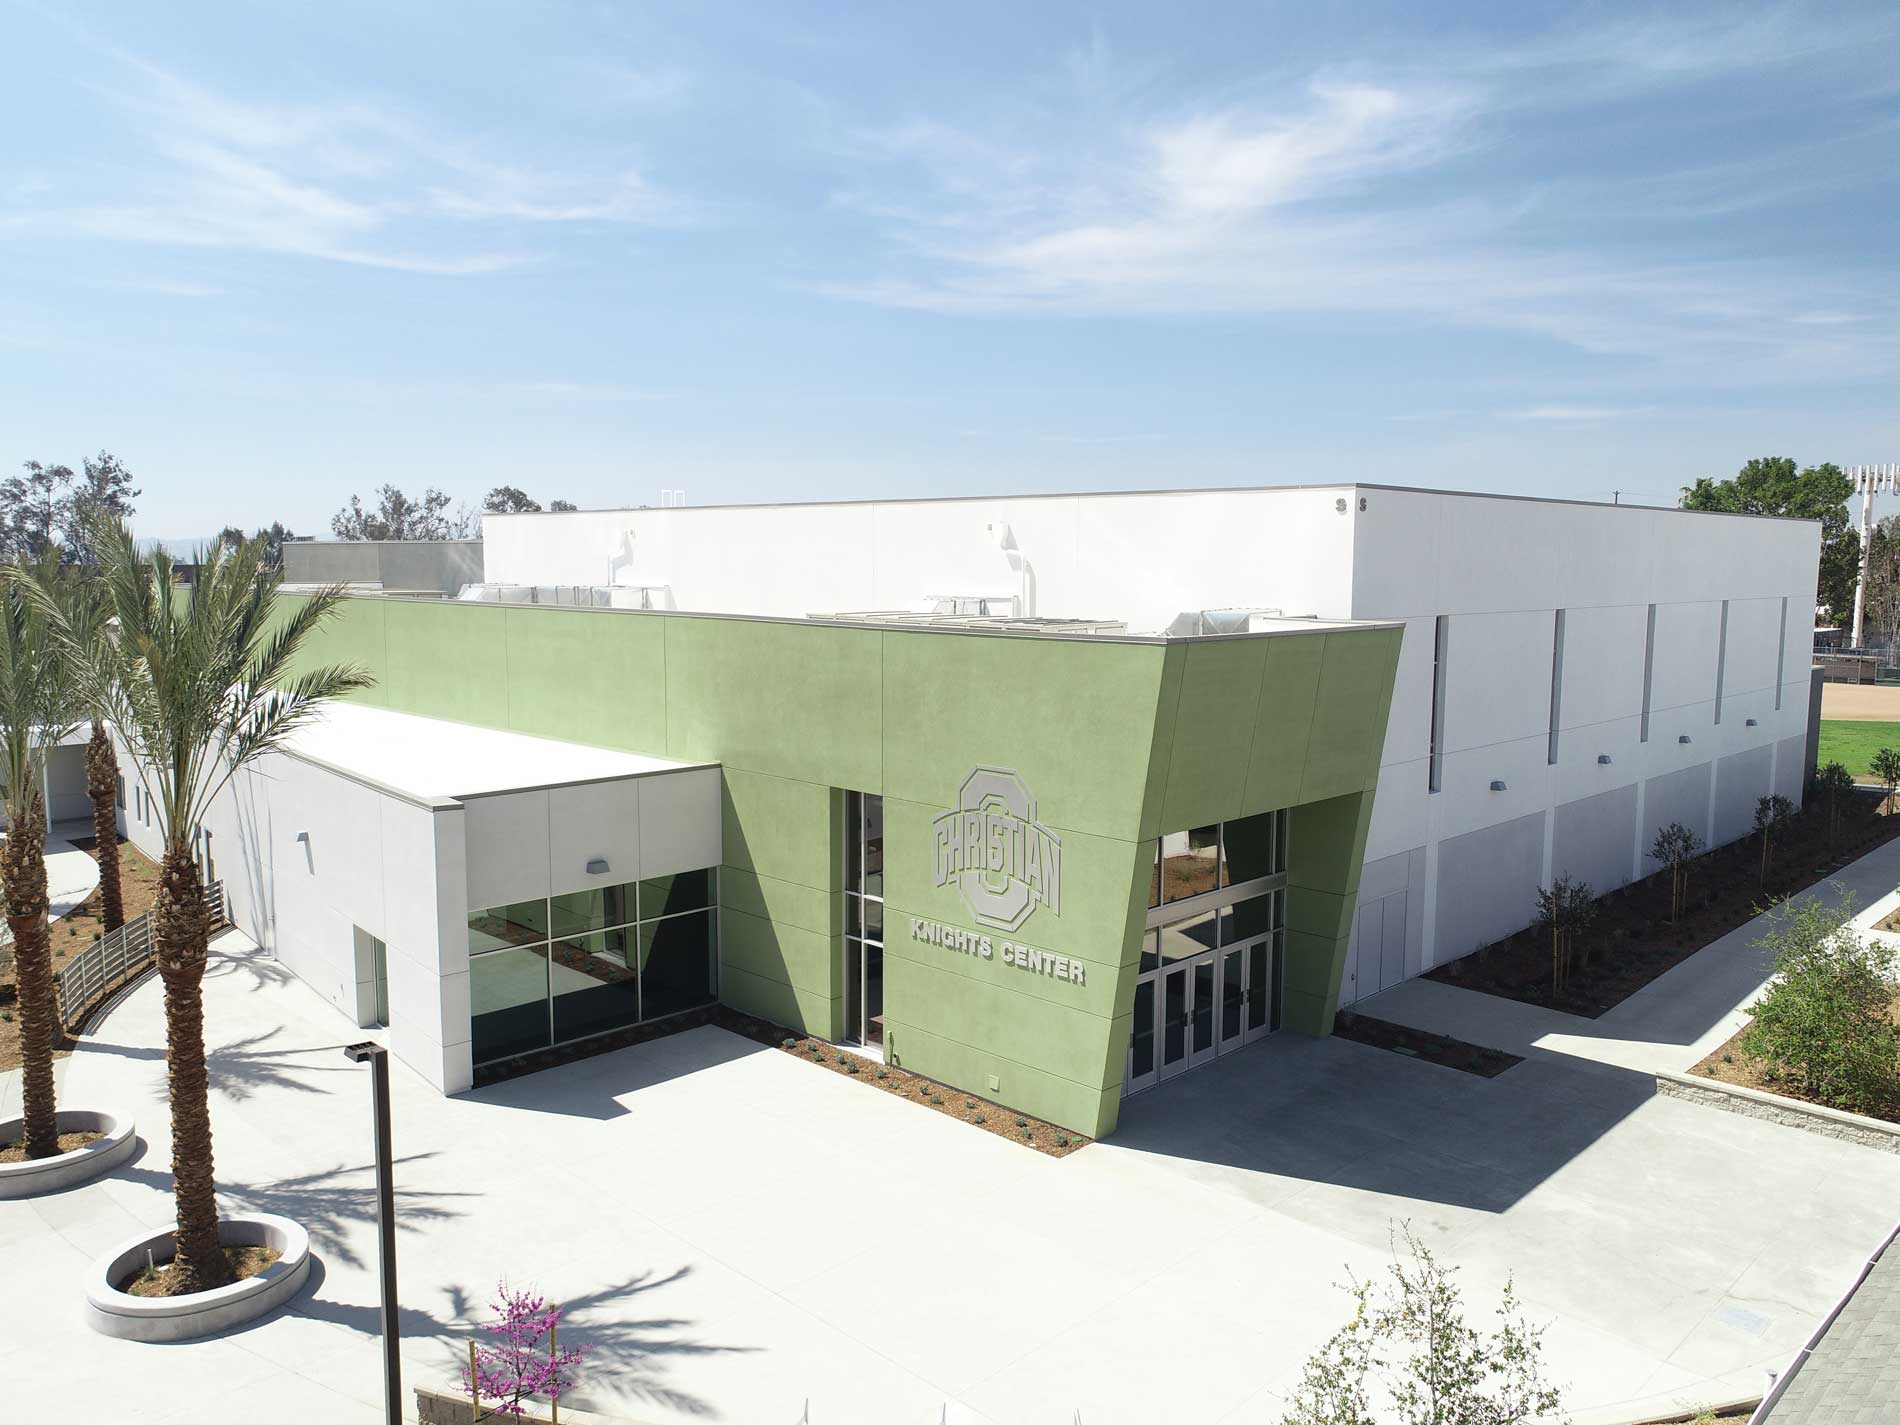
{"points": [[117, 957]]}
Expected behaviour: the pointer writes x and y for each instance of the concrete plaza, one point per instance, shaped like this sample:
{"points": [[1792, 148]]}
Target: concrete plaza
{"points": [[738, 1233]]}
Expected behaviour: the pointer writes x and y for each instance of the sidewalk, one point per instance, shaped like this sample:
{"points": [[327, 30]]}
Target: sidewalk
{"points": [[1667, 1026]]}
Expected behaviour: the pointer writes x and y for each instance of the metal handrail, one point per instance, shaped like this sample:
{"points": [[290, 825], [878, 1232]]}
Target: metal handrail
{"points": [[112, 960]]}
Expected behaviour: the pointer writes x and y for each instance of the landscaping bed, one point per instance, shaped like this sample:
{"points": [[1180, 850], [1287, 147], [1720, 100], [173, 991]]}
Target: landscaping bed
{"points": [[1422, 1044], [1008, 1123], [68, 1143], [1730, 1063], [1632, 941], [76, 931], [157, 1281]]}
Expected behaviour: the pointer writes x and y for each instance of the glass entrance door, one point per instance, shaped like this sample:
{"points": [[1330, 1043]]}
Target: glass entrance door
{"points": [[1191, 1010]]}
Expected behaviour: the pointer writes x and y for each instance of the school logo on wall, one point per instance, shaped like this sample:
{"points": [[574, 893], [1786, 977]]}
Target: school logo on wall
{"points": [[1004, 861]]}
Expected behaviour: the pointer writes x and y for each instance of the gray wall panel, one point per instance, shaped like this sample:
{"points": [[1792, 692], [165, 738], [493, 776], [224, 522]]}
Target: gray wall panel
{"points": [[1740, 781], [1593, 838], [1487, 884], [1676, 796], [1791, 768]]}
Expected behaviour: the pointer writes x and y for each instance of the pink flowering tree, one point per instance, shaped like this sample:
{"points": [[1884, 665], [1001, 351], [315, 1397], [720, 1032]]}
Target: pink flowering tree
{"points": [[520, 1366]]}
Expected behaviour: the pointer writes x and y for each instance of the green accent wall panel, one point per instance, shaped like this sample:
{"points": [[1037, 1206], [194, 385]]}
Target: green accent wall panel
{"points": [[1283, 723], [787, 902], [446, 659], [1161, 740], [1215, 717], [1073, 718], [1086, 1110], [1355, 694], [572, 674], [796, 700], [778, 1002], [773, 950], [779, 827]]}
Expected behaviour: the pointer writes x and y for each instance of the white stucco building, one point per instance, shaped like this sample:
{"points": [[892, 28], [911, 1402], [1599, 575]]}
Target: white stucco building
{"points": [[380, 849], [1573, 675]]}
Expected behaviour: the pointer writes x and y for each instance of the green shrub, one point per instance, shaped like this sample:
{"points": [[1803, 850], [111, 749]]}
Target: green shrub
{"points": [[1825, 1023]]}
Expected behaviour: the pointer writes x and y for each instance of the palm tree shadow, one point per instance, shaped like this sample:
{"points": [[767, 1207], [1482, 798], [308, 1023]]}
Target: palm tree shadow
{"points": [[327, 1203], [632, 1349]]}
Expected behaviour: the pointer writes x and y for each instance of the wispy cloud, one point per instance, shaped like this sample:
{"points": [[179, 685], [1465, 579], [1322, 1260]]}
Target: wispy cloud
{"points": [[1367, 189], [343, 178], [1578, 414]]}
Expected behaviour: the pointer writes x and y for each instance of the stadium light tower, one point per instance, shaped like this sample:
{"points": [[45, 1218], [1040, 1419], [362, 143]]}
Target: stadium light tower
{"points": [[1868, 479]]}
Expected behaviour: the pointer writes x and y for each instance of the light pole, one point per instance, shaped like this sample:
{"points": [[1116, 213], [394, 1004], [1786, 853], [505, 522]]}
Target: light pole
{"points": [[1868, 480], [378, 1059]]}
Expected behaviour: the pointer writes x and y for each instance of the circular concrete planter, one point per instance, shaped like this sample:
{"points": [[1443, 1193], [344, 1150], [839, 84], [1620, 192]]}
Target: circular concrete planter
{"points": [[63, 1170], [183, 1318]]}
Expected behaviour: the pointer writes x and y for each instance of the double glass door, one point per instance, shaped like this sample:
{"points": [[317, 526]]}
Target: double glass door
{"points": [[1189, 1010]]}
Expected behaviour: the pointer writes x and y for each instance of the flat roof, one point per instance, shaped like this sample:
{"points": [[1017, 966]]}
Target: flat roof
{"points": [[996, 495], [434, 762]]}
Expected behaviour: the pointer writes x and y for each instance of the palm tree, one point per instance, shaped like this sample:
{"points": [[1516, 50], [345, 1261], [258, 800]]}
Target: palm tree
{"points": [[199, 684], [36, 700]]}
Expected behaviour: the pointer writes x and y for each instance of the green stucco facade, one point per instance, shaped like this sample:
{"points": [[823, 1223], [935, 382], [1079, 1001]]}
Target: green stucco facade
{"points": [[1119, 739]]}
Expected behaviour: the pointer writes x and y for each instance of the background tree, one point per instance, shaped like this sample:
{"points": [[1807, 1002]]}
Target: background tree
{"points": [[231, 537], [508, 500], [51, 504], [35, 712], [1410, 1346], [1835, 783], [562, 506], [1885, 764], [400, 516], [1772, 815], [1676, 846], [1772, 485], [201, 683]]}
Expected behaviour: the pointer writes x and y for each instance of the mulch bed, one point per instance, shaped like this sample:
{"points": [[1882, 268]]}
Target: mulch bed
{"points": [[1633, 942], [966, 1108], [68, 1143], [75, 932], [1008, 1123], [1422, 1044], [245, 1262]]}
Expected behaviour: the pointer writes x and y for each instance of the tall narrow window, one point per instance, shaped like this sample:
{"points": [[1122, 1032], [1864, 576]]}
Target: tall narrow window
{"points": [[1556, 683], [1721, 661], [1781, 654], [864, 918], [1441, 630], [1649, 668]]}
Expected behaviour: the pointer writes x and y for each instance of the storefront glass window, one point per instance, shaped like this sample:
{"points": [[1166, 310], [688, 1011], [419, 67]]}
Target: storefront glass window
{"points": [[672, 895], [594, 909], [677, 965], [523, 923], [594, 987], [508, 1002]]}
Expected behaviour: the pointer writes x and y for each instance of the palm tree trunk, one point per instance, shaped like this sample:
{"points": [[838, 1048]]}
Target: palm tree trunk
{"points": [[178, 933], [23, 870], [102, 784]]}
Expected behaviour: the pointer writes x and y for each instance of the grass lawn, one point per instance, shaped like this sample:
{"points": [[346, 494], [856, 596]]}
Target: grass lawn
{"points": [[1852, 744]]}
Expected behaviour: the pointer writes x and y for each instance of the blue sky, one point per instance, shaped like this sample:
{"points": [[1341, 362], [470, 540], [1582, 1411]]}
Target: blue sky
{"points": [[275, 254]]}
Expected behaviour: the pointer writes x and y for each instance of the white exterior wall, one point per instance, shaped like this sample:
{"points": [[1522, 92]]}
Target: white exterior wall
{"points": [[1460, 858], [1141, 558], [1444, 871], [409, 874]]}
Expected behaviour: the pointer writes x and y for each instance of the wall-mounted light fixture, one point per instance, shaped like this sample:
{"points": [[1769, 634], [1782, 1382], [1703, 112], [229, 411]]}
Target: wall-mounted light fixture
{"points": [[1748, 722], [303, 836], [597, 866], [1603, 759], [1684, 738], [1497, 786]]}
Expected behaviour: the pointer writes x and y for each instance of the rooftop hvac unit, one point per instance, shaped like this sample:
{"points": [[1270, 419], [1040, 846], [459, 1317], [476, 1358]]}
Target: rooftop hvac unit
{"points": [[976, 605], [1207, 621]]}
